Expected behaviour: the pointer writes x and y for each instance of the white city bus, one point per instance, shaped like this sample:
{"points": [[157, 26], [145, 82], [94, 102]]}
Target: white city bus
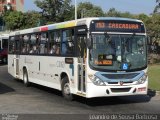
{"points": [[90, 57]]}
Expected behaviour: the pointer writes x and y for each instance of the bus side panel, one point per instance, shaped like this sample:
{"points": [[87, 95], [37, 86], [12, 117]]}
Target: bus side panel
{"points": [[45, 70], [11, 68]]}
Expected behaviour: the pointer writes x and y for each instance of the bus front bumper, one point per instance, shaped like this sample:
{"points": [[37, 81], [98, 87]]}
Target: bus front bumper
{"points": [[105, 91]]}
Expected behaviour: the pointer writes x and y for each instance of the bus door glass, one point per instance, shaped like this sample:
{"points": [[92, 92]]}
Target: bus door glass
{"points": [[81, 53], [17, 52]]}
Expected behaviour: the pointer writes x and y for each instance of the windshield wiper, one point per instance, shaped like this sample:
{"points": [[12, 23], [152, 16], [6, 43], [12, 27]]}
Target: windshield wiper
{"points": [[107, 37]]}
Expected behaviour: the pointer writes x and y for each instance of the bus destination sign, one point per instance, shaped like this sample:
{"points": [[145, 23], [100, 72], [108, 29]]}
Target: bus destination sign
{"points": [[118, 26]]}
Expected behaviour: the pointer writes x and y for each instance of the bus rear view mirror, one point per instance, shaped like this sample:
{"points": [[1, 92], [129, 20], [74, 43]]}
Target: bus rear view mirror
{"points": [[89, 43]]}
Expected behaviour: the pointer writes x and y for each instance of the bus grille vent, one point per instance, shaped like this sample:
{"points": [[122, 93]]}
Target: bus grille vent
{"points": [[120, 76], [120, 89]]}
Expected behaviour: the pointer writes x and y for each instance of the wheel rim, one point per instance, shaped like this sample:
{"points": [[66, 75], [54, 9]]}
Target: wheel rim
{"points": [[66, 89]]}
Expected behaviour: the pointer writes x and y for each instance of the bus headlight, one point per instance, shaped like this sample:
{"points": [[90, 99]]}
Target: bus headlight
{"points": [[142, 79], [97, 81]]}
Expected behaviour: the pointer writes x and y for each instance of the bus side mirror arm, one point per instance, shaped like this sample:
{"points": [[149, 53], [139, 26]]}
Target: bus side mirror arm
{"points": [[89, 43]]}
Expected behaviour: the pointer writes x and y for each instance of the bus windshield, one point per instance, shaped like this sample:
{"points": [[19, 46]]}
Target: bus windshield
{"points": [[118, 52]]}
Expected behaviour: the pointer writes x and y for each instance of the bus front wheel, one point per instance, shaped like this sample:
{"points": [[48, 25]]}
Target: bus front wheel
{"points": [[66, 91], [25, 78]]}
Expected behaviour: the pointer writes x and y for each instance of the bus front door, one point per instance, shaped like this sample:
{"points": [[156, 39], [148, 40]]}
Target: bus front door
{"points": [[16, 58], [81, 45]]}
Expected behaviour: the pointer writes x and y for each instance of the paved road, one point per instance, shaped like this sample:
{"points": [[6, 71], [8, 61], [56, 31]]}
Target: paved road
{"points": [[15, 98]]}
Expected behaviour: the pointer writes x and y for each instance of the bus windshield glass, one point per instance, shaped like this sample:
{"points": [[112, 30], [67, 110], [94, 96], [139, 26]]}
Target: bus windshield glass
{"points": [[118, 52]]}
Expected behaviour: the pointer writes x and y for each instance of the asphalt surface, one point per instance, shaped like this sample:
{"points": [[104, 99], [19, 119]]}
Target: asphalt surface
{"points": [[39, 102]]}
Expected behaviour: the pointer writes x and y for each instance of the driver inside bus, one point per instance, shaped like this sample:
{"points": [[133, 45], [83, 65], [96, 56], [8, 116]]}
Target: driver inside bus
{"points": [[110, 47]]}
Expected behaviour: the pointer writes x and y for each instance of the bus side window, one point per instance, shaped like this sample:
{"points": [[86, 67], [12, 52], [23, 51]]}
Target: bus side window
{"points": [[57, 39], [68, 42], [43, 43], [54, 45], [51, 43], [25, 44], [11, 45], [34, 48]]}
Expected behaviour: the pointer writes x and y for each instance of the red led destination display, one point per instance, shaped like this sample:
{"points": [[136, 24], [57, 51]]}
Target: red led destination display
{"points": [[117, 26]]}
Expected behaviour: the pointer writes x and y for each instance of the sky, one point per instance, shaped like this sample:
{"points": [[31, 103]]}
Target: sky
{"points": [[132, 6]]}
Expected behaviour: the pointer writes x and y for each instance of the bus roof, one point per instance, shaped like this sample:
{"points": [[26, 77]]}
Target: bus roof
{"points": [[4, 36], [67, 24]]}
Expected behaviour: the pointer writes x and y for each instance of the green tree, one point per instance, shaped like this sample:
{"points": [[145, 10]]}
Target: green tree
{"points": [[127, 15], [144, 18], [147, 21], [32, 19], [157, 7], [14, 20], [55, 10], [87, 9], [113, 13], [154, 26], [17, 20], [67, 11]]}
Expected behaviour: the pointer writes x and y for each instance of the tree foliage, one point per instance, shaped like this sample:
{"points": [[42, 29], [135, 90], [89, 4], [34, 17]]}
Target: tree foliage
{"points": [[32, 19], [89, 10], [157, 7], [114, 13], [153, 26], [55, 10], [14, 20], [62, 10]]}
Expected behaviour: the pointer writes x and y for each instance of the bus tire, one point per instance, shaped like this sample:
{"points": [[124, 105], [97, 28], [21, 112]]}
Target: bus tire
{"points": [[66, 92], [25, 78]]}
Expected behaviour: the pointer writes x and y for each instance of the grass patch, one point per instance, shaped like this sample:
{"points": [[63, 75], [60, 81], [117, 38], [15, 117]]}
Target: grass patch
{"points": [[154, 77]]}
